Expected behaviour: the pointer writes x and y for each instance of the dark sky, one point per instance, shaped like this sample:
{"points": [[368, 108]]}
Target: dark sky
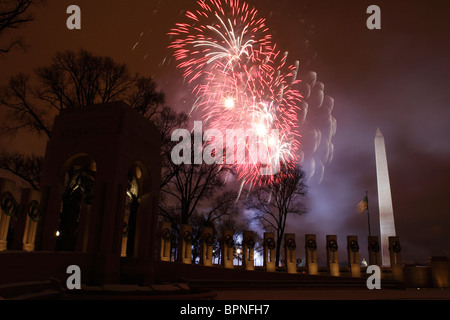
{"points": [[396, 78]]}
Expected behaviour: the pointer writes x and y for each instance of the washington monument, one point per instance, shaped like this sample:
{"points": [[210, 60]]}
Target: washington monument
{"points": [[387, 224]]}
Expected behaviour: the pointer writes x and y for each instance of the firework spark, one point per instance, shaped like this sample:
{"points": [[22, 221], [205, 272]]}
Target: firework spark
{"points": [[240, 79]]}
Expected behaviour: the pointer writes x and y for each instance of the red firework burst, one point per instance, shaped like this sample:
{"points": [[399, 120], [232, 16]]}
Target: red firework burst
{"points": [[241, 81]]}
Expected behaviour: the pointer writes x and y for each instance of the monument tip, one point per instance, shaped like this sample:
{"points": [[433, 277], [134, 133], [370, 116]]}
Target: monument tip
{"points": [[378, 133]]}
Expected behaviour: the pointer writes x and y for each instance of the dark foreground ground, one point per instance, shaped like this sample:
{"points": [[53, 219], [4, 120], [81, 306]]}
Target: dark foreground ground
{"points": [[335, 294]]}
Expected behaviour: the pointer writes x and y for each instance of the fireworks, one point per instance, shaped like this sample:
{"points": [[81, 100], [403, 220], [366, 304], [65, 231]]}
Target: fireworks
{"points": [[240, 80]]}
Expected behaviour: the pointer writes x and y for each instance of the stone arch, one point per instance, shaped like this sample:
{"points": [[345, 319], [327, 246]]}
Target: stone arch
{"points": [[113, 136], [77, 182]]}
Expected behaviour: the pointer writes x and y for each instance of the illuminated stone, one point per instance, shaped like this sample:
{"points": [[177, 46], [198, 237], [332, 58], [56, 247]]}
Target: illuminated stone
{"points": [[269, 251], [248, 244], [353, 256], [206, 246], [396, 258], [227, 249], [332, 256], [7, 207], [165, 238], [374, 250], [311, 254], [387, 224], [32, 199], [289, 252], [185, 242]]}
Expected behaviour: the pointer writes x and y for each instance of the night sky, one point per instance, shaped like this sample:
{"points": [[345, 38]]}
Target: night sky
{"points": [[396, 78]]}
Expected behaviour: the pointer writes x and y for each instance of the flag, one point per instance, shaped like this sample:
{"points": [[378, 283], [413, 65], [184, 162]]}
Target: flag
{"points": [[363, 205]]}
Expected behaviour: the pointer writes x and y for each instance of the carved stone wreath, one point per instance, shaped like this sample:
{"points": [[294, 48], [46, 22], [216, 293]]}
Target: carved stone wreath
{"points": [[354, 246], [250, 243], [166, 235], [374, 246], [396, 247], [229, 242], [311, 244], [332, 245], [208, 238], [187, 237], [34, 211], [291, 244], [8, 204], [270, 243]]}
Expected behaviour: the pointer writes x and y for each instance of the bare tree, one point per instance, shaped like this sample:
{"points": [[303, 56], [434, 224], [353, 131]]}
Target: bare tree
{"points": [[14, 13], [223, 213], [75, 79], [26, 167], [22, 111], [273, 201], [166, 121], [224, 205], [189, 186], [72, 80], [148, 101]]}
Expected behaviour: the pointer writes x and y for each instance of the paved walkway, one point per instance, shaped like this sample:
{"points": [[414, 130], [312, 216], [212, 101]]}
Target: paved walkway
{"points": [[308, 294]]}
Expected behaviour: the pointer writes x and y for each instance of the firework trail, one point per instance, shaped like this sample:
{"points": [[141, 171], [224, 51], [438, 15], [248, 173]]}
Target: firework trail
{"points": [[240, 80]]}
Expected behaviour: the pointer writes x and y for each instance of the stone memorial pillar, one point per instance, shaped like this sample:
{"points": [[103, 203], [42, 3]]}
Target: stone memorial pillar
{"points": [[353, 256], [206, 246], [440, 271], [311, 254], [29, 213], [166, 239], [332, 256], [228, 249], [289, 252], [396, 258], [269, 252], [185, 244], [374, 251], [248, 245], [31, 200], [8, 208]]}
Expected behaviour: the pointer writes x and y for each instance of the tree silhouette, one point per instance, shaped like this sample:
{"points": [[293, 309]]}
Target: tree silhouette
{"points": [[273, 201], [72, 80], [26, 167], [195, 193], [190, 185], [166, 121], [14, 13]]}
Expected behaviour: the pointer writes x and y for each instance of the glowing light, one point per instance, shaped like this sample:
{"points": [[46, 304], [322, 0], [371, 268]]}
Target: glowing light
{"points": [[261, 129], [229, 103], [272, 141]]}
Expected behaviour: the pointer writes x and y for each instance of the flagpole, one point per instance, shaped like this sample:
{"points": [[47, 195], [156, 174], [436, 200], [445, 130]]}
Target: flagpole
{"points": [[368, 215]]}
